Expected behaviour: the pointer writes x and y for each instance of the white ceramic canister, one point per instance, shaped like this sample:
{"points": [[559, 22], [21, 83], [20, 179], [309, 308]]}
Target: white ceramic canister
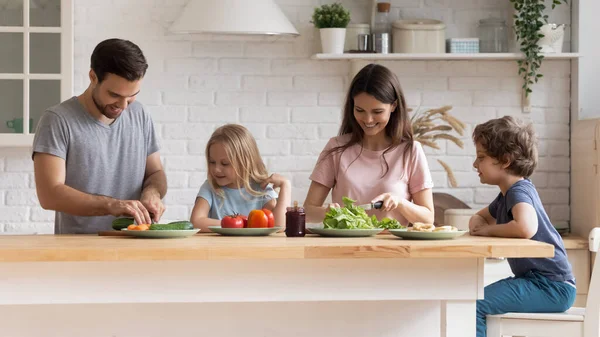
{"points": [[419, 36], [352, 32]]}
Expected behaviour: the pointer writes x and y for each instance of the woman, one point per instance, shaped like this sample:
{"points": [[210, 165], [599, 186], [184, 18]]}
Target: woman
{"points": [[374, 157]]}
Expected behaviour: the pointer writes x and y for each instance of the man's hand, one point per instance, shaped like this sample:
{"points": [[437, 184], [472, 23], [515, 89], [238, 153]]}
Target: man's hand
{"points": [[151, 201], [133, 208]]}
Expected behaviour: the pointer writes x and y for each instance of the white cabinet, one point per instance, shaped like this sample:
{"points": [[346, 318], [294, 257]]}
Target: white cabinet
{"points": [[36, 67], [495, 270], [586, 70]]}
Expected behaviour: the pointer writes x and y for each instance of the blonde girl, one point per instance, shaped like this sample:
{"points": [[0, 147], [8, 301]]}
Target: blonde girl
{"points": [[237, 180]]}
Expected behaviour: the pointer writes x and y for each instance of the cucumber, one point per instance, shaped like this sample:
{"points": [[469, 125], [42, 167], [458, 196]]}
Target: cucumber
{"points": [[121, 223], [184, 222], [176, 225]]}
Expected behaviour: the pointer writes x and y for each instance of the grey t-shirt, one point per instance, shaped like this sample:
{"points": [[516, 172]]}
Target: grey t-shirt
{"points": [[100, 159], [555, 268]]}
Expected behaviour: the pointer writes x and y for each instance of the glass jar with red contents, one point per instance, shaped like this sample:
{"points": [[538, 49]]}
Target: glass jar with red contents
{"points": [[295, 221]]}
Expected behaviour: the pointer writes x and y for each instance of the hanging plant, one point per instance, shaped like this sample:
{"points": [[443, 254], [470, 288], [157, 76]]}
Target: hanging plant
{"points": [[528, 21]]}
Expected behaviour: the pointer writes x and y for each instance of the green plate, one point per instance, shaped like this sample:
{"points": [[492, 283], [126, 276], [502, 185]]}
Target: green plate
{"points": [[348, 233], [167, 234], [413, 235], [244, 231]]}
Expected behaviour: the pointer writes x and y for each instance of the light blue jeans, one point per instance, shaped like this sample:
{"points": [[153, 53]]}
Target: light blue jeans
{"points": [[529, 293]]}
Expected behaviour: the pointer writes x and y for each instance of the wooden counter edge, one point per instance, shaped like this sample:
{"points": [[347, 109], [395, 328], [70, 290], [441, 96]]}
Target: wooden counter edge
{"points": [[575, 242], [371, 249]]}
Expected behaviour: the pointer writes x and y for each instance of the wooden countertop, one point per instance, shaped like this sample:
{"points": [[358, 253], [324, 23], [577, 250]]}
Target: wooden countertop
{"points": [[216, 247], [575, 242]]}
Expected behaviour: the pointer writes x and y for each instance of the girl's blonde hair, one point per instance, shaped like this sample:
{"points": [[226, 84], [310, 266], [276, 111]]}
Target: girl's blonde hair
{"points": [[243, 155]]}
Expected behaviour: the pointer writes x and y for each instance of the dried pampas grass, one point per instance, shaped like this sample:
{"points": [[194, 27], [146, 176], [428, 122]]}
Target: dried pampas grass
{"points": [[431, 125]]}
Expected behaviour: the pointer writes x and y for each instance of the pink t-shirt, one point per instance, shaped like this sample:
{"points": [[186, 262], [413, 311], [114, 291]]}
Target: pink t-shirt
{"points": [[359, 175]]}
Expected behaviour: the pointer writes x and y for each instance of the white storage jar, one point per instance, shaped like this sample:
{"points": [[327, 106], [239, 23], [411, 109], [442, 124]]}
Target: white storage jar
{"points": [[419, 36], [352, 32]]}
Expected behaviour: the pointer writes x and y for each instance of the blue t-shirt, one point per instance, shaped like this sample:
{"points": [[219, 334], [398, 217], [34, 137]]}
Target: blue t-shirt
{"points": [[556, 268], [236, 200]]}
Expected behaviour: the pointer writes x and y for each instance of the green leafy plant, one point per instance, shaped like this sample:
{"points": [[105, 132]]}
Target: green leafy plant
{"points": [[431, 125], [529, 19], [331, 16]]}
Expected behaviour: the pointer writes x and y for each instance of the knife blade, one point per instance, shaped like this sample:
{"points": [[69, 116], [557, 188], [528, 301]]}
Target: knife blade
{"points": [[373, 205]]}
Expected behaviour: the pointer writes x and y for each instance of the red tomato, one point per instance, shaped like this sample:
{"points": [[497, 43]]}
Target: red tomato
{"points": [[232, 221], [257, 219], [245, 220], [270, 217]]}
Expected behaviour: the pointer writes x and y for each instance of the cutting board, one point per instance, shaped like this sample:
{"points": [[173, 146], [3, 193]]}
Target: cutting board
{"points": [[111, 233]]}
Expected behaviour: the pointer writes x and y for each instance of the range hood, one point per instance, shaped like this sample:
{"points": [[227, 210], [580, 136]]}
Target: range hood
{"points": [[253, 17]]}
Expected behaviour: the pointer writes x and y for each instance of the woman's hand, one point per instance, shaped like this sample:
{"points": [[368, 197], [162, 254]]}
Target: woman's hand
{"points": [[390, 201], [314, 204], [420, 209], [332, 205]]}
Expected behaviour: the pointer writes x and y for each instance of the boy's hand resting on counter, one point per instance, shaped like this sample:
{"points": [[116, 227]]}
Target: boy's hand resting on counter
{"points": [[476, 224], [480, 230]]}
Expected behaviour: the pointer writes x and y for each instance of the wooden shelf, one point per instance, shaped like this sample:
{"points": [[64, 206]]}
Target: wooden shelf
{"points": [[441, 57], [15, 140]]}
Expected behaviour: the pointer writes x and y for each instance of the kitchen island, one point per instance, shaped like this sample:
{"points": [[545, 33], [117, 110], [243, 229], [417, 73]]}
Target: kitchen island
{"points": [[245, 286]]}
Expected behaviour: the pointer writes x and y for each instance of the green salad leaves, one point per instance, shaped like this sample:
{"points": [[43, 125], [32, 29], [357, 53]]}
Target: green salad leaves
{"points": [[354, 217]]}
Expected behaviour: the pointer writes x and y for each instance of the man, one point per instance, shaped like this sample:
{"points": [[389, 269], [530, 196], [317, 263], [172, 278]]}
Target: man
{"points": [[96, 155]]}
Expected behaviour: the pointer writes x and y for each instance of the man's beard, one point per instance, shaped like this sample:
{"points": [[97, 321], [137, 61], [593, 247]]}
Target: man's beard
{"points": [[102, 108]]}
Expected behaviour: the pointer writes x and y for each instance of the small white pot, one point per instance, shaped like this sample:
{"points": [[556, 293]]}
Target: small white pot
{"points": [[332, 40], [552, 42]]}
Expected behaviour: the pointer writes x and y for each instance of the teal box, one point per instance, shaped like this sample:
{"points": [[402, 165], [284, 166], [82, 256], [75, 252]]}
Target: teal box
{"points": [[462, 45]]}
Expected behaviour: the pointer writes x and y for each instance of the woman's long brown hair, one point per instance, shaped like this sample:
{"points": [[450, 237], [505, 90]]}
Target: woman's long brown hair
{"points": [[379, 82]]}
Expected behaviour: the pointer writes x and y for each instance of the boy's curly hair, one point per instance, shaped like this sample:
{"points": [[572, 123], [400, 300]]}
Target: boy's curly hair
{"points": [[509, 140]]}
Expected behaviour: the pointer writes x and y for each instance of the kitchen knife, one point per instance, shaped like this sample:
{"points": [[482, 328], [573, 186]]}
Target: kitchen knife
{"points": [[151, 220], [373, 205]]}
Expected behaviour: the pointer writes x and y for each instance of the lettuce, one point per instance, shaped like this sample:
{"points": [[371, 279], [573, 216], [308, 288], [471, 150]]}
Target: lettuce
{"points": [[388, 223], [353, 217]]}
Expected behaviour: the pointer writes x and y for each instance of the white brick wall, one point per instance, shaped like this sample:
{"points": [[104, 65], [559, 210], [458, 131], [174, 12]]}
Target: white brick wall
{"points": [[291, 103]]}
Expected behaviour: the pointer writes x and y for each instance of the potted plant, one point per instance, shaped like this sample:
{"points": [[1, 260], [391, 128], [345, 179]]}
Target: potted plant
{"points": [[431, 125], [331, 21], [529, 19]]}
